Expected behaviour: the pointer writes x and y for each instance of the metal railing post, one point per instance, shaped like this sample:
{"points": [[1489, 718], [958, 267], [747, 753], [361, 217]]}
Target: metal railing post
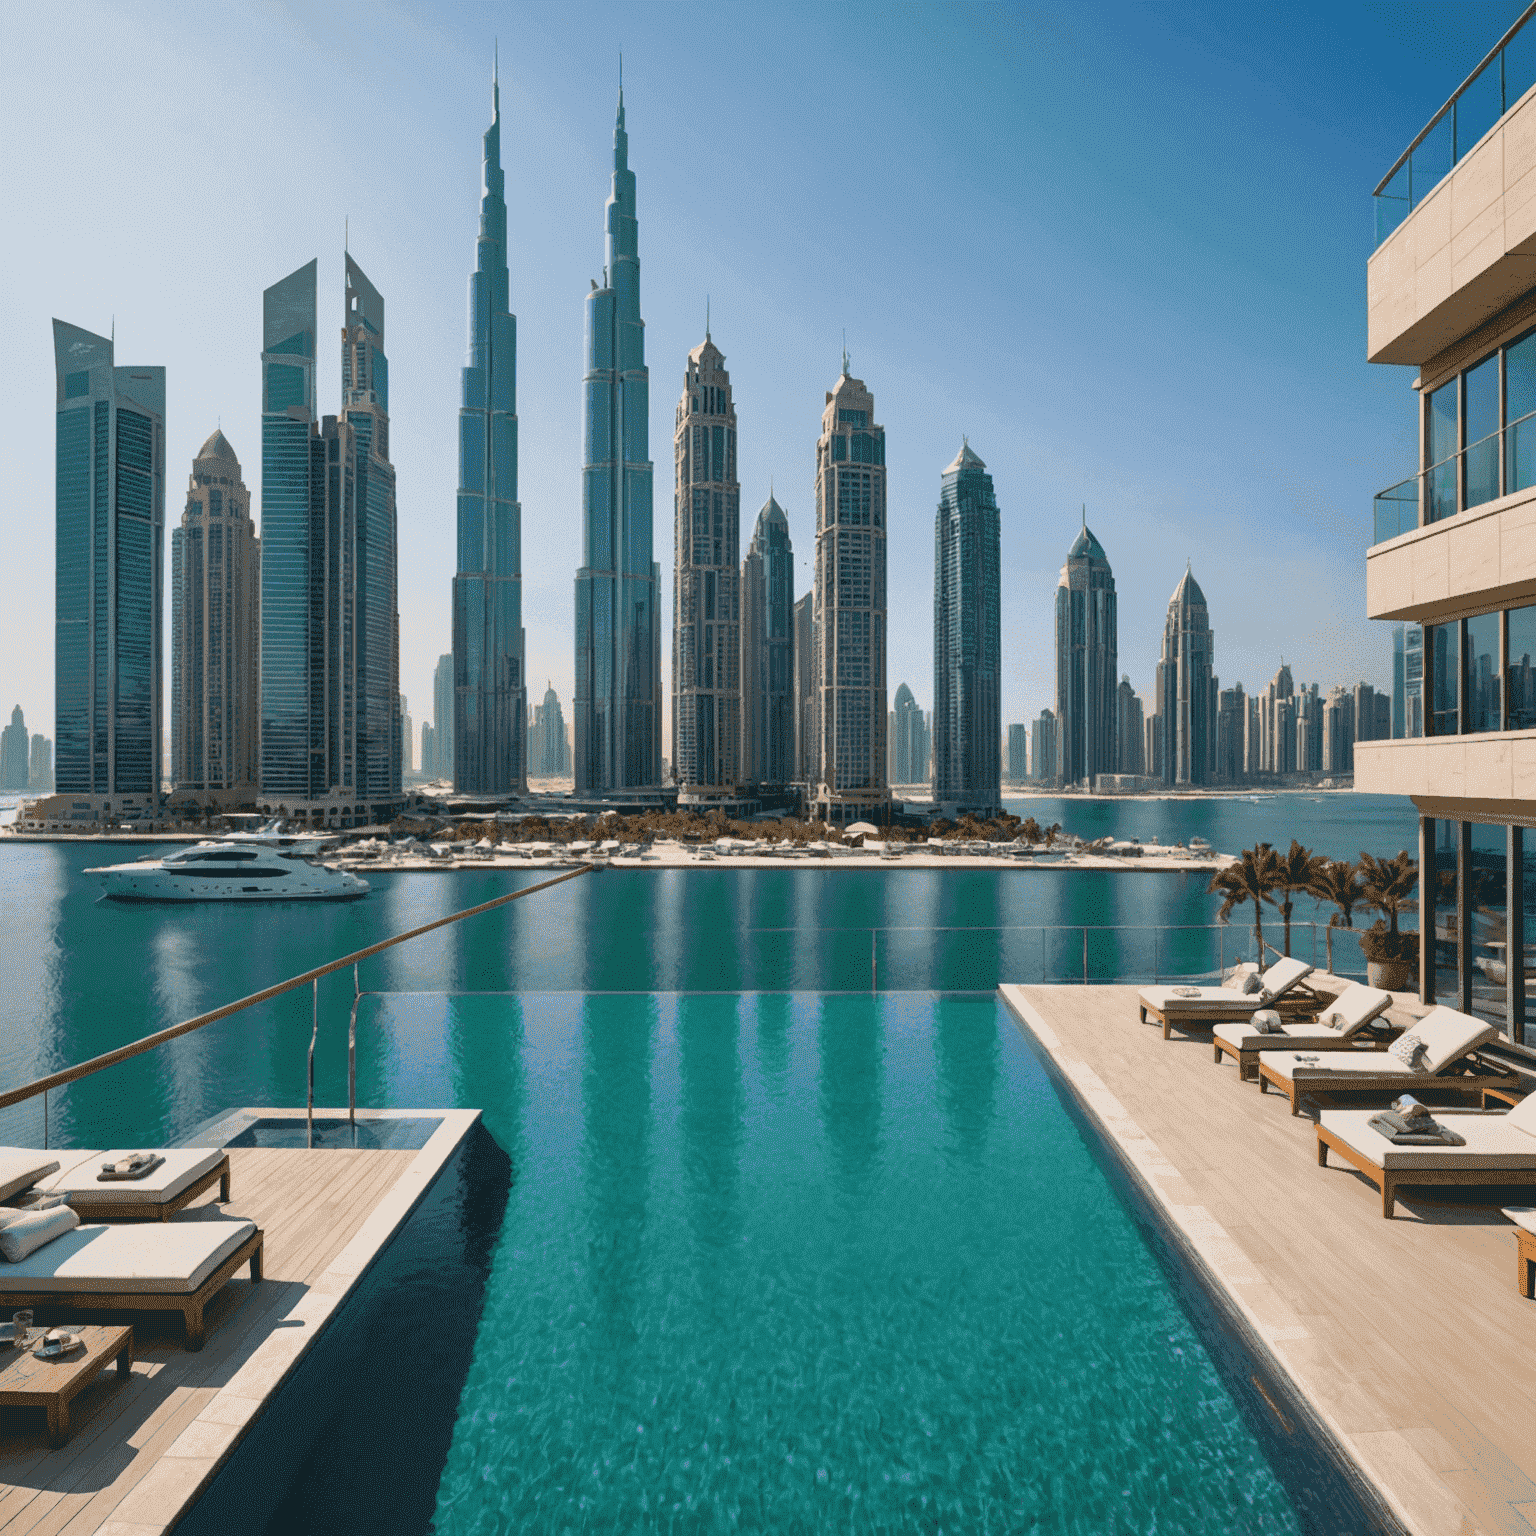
{"points": [[1221, 953], [45, 1119], [352, 1054], [1156, 937], [314, 1034]]}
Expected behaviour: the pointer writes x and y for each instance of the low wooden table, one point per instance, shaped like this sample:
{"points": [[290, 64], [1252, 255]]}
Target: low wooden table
{"points": [[27, 1382]]}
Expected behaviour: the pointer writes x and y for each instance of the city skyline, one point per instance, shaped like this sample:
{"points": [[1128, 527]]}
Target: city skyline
{"points": [[785, 323]]}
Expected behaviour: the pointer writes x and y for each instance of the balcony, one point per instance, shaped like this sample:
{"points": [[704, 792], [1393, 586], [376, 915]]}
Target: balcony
{"points": [[1457, 777]]}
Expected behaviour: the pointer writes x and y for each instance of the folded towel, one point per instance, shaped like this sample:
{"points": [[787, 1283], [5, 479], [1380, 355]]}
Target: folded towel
{"points": [[1251, 984], [1268, 1022], [1416, 1114], [128, 1168], [1390, 1124], [1334, 1020], [1410, 1050]]}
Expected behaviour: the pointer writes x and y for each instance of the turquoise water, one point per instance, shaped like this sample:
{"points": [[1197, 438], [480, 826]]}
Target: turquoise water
{"points": [[788, 1263]]}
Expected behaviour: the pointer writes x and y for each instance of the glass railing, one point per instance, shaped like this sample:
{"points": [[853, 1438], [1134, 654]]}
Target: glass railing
{"points": [[1397, 510], [1487, 94]]}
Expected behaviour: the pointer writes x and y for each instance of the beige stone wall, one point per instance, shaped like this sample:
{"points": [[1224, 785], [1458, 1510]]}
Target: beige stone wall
{"points": [[1491, 776]]}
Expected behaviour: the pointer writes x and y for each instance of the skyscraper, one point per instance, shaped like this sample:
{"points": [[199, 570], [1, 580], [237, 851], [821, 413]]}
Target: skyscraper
{"points": [[407, 735], [848, 667], [548, 754], [618, 633], [1186, 688], [443, 703], [108, 573], [330, 735], [967, 643], [490, 703], [804, 623], [14, 752], [1407, 680], [909, 742], [1231, 718], [215, 628], [706, 589], [40, 767], [1018, 753], [768, 651], [1130, 729], [428, 750], [1043, 744], [1087, 662]]}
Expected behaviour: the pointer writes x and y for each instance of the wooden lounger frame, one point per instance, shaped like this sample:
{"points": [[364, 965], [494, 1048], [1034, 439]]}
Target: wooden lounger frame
{"points": [[1475, 1079], [190, 1304], [1525, 1261], [152, 1210], [1375, 1036], [1298, 1005], [1390, 1180]]}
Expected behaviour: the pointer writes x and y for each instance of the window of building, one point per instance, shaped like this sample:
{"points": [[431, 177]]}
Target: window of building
{"points": [[1480, 420], [1519, 678], [1482, 712], [1443, 642], [1441, 439]]}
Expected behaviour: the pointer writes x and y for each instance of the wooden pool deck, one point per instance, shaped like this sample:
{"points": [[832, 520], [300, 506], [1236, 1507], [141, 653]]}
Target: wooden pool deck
{"points": [[1407, 1336], [142, 1451]]}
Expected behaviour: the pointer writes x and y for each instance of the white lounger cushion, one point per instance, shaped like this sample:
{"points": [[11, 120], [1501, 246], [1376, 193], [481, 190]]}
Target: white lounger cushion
{"points": [[1359, 1005], [168, 1258], [21, 1168], [182, 1165], [1492, 1142], [1279, 979], [1447, 1037]]}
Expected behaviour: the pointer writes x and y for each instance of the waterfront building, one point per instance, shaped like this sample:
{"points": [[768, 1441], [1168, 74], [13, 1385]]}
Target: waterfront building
{"points": [[1043, 748], [1468, 342], [109, 588], [768, 651], [1309, 730], [804, 624], [40, 766], [1186, 688], [428, 750], [13, 752], [1018, 753], [490, 701], [910, 741], [1407, 680], [1087, 662], [1373, 714], [1277, 724], [1130, 729], [967, 639], [706, 586], [330, 731], [1231, 720], [549, 755], [444, 704], [407, 737], [1338, 730], [848, 667], [618, 632], [215, 630]]}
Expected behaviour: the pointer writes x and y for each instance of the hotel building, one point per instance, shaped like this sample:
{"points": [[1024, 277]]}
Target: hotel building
{"points": [[1452, 295]]}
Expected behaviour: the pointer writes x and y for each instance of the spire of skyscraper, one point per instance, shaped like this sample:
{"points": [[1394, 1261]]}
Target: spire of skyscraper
{"points": [[490, 696]]}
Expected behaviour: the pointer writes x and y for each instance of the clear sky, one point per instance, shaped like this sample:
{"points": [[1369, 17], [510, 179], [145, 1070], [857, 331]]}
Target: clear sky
{"points": [[1122, 247]]}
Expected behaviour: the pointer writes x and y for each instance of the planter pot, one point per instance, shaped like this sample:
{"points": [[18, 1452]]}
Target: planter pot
{"points": [[1392, 975]]}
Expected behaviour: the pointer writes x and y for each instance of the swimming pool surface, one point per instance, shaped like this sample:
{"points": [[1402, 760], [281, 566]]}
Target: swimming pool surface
{"points": [[794, 1263]]}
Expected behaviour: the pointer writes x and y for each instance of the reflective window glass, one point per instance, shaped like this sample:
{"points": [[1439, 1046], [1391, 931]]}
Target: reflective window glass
{"points": [[1520, 404], [1441, 437], [1519, 677], [1482, 674], [1481, 421], [1445, 678], [1487, 925], [1446, 977]]}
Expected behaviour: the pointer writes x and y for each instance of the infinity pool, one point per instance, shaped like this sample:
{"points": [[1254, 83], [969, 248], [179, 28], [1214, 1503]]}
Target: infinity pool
{"points": [[793, 1263]]}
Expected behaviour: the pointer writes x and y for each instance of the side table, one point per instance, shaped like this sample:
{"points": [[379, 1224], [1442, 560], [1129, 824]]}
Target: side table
{"points": [[26, 1381]]}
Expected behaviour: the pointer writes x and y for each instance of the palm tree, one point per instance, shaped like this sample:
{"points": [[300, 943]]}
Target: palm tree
{"points": [[1338, 881], [1295, 871], [1389, 885], [1250, 877]]}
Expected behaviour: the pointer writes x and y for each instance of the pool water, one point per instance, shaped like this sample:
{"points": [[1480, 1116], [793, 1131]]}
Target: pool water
{"points": [[801, 1263]]}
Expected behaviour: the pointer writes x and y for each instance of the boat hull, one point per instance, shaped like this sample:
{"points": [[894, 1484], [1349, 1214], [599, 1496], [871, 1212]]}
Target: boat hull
{"points": [[190, 897]]}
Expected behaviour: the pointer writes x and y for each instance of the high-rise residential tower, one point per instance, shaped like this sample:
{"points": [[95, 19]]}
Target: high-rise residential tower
{"points": [[967, 643], [330, 733], [14, 752], [1043, 747], [1018, 753], [215, 628], [804, 624], [1130, 729], [848, 668], [108, 574], [40, 767], [706, 589], [618, 632], [1087, 662], [442, 718], [490, 705], [909, 747], [1186, 689], [549, 755], [768, 651]]}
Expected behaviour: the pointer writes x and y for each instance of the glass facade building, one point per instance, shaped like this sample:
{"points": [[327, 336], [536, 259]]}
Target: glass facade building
{"points": [[490, 695], [706, 587], [618, 635], [967, 643], [1087, 663], [1186, 690], [768, 651], [910, 747], [108, 573]]}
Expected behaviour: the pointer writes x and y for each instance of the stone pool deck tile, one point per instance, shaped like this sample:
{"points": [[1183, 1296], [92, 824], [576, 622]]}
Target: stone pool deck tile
{"points": [[142, 1452], [1303, 1255]]}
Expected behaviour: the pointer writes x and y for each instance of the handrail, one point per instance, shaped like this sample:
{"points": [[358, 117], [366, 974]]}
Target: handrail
{"points": [[160, 1037]]}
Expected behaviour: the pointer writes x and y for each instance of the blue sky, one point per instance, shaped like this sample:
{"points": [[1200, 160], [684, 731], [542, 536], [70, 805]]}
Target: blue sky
{"points": [[1122, 247]]}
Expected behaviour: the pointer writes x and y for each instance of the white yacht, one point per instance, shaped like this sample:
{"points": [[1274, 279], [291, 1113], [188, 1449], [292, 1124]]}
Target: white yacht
{"points": [[273, 836], [229, 871]]}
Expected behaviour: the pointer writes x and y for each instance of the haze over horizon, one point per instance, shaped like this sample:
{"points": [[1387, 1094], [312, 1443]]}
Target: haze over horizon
{"points": [[1122, 249]]}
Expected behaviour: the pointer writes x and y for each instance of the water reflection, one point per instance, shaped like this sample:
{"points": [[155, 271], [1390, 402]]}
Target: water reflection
{"points": [[775, 1021], [850, 1041], [710, 1116], [966, 1047]]}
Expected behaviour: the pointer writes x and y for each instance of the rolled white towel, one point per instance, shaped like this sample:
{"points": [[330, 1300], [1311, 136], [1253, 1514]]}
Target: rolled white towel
{"points": [[128, 1164]]}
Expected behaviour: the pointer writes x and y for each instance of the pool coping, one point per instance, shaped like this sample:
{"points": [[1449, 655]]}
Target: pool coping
{"points": [[1215, 1259]]}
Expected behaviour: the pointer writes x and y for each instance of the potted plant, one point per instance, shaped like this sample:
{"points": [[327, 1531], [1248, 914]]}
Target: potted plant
{"points": [[1392, 957]]}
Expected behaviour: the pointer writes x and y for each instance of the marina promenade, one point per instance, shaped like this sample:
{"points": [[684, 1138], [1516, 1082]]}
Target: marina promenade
{"points": [[1406, 1337]]}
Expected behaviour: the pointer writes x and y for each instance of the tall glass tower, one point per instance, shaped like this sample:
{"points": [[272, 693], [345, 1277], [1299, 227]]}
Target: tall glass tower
{"points": [[967, 643], [489, 687], [618, 636], [1087, 662], [1187, 689], [108, 573], [768, 651], [706, 588]]}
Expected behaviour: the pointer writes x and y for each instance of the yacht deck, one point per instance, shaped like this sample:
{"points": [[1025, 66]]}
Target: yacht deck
{"points": [[142, 1451], [1407, 1337]]}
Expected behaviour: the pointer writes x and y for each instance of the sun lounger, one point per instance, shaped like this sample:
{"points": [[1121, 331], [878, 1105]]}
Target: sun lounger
{"points": [[185, 1173], [21, 1168], [1500, 1150], [1449, 1064], [178, 1266], [1212, 1005], [1524, 1218], [1361, 1007]]}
